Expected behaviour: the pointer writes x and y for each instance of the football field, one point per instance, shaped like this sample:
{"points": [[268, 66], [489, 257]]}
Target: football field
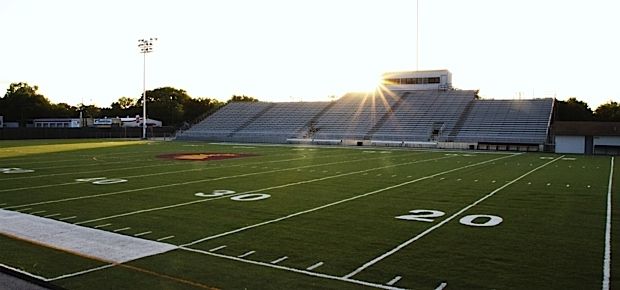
{"points": [[107, 214]]}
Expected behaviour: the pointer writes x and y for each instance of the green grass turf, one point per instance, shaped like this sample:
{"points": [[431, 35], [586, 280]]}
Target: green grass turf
{"points": [[333, 205]]}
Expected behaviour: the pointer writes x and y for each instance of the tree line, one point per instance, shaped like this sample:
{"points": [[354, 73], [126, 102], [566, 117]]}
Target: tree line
{"points": [[174, 107], [575, 110]]}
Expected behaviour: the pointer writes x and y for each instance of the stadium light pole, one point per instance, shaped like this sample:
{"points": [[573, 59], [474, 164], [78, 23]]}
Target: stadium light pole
{"points": [[146, 46]]}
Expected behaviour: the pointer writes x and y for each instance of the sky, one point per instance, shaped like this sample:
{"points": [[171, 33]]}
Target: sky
{"points": [[307, 50]]}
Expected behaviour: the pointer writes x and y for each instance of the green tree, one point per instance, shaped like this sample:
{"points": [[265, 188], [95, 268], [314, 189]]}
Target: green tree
{"points": [[194, 108], [165, 104], [21, 102], [242, 98], [90, 111], [608, 112], [573, 110], [63, 110]]}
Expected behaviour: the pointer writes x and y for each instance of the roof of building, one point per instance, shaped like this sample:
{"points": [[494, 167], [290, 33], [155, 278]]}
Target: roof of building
{"points": [[580, 128]]}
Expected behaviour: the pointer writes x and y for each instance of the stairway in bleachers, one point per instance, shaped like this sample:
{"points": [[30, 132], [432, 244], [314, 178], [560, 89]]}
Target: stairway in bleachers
{"points": [[461, 121], [384, 118], [251, 120], [317, 116]]}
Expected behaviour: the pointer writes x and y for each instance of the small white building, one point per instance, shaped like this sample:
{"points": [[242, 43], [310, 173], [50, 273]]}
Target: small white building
{"points": [[587, 137], [418, 80], [137, 122], [57, 123]]}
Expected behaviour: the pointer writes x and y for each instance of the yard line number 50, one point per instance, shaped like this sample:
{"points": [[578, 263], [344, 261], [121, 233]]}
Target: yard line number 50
{"points": [[472, 220]]}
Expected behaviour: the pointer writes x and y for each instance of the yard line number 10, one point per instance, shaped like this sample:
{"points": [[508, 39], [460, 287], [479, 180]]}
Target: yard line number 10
{"points": [[472, 220]]}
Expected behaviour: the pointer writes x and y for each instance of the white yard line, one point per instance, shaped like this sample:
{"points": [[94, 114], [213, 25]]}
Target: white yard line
{"points": [[168, 185], [607, 257], [81, 272], [25, 273], [121, 229], [246, 192], [314, 266], [443, 222], [36, 212], [51, 215], [147, 175], [93, 171], [342, 201], [441, 286], [299, 271]]}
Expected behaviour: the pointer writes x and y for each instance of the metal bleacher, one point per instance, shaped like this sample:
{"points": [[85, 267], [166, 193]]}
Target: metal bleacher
{"points": [[422, 112], [281, 121], [507, 121], [399, 116], [353, 115]]}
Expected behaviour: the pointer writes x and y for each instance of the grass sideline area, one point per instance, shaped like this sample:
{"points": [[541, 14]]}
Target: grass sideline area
{"points": [[293, 217]]}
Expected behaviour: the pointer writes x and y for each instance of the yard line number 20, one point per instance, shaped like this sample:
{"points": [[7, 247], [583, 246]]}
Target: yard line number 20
{"points": [[472, 220]]}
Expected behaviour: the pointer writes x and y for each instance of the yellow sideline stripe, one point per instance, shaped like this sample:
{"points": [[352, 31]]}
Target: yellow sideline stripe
{"points": [[51, 148]]}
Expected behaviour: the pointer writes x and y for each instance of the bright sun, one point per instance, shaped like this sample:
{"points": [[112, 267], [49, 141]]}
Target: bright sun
{"points": [[362, 82]]}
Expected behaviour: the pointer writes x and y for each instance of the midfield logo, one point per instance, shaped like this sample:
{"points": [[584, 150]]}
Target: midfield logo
{"points": [[196, 156]]}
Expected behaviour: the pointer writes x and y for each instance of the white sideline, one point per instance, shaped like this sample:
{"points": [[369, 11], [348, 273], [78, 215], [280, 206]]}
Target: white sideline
{"points": [[246, 192], [101, 245], [607, 257], [443, 222], [341, 201], [307, 273], [24, 272]]}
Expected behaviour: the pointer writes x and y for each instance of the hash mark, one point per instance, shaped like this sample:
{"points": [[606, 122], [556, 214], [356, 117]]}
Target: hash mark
{"points": [[246, 254], [101, 226], [122, 229], [165, 238], [218, 248], [393, 281], [51, 215], [20, 210], [36, 212], [314, 266], [67, 218], [142, 234], [279, 260], [441, 286]]}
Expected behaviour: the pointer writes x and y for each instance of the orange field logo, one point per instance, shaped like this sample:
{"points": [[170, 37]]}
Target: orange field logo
{"points": [[196, 156]]}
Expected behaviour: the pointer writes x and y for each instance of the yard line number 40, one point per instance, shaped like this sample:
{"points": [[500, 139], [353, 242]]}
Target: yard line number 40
{"points": [[472, 220]]}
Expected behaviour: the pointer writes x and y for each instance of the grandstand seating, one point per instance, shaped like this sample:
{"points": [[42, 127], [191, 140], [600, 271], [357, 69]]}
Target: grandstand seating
{"points": [[399, 116], [423, 112], [353, 115], [507, 121]]}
